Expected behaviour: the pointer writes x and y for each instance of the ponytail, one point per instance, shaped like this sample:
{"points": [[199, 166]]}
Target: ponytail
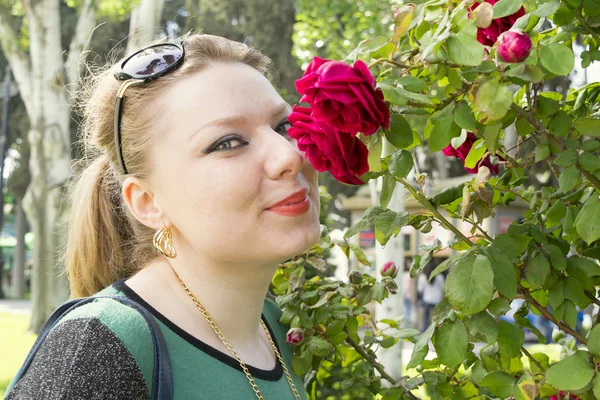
{"points": [[99, 232]]}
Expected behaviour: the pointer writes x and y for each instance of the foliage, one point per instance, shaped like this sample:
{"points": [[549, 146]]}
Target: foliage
{"points": [[15, 345], [432, 64]]}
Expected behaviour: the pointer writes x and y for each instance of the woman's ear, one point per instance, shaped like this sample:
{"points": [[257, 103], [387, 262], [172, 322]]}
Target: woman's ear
{"points": [[140, 200]]}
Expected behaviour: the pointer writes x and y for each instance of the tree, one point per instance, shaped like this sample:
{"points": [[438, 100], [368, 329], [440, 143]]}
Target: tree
{"points": [[45, 77]]}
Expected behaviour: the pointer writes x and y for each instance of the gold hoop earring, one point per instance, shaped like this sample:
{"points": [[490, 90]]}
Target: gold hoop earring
{"points": [[163, 242]]}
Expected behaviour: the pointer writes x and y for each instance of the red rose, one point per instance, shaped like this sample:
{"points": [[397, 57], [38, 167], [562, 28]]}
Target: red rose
{"points": [[463, 151], [344, 155], [561, 394], [488, 36], [343, 97], [514, 46]]}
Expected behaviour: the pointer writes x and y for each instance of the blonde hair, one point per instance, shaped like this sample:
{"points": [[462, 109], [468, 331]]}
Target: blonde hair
{"points": [[105, 241]]}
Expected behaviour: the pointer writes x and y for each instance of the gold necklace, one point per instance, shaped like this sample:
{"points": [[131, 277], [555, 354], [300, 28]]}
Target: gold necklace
{"points": [[226, 343]]}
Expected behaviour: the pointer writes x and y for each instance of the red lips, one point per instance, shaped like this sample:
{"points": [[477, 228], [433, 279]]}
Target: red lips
{"points": [[297, 197]]}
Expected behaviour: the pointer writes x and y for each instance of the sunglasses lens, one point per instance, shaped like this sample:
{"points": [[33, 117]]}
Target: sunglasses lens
{"points": [[152, 61]]}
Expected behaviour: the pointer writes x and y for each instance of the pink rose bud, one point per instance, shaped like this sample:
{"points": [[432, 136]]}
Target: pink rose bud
{"points": [[514, 46], [295, 336], [389, 269], [355, 277]]}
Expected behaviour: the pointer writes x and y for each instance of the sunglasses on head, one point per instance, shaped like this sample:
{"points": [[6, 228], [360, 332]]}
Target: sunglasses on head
{"points": [[141, 67]]}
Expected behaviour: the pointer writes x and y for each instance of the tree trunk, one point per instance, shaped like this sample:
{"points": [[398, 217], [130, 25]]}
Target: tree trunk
{"points": [[18, 275], [393, 306], [50, 161], [145, 20]]}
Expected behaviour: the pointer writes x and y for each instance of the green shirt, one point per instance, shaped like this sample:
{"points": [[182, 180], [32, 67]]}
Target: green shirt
{"points": [[103, 350]]}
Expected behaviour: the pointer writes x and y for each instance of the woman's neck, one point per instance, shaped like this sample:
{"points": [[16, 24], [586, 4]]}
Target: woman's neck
{"points": [[233, 300]]}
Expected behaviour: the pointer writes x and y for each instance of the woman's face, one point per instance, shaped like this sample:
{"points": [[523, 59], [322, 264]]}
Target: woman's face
{"points": [[223, 161]]}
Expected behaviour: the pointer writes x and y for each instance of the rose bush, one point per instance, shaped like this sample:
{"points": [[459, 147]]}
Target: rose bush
{"points": [[448, 89]]}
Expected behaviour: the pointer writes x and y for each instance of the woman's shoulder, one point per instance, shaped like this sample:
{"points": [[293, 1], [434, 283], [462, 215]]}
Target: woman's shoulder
{"points": [[98, 342]]}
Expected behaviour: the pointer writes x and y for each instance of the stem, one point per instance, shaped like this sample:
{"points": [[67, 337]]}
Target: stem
{"points": [[546, 314], [587, 26], [593, 298], [427, 204], [508, 190], [533, 360], [475, 224], [360, 350]]}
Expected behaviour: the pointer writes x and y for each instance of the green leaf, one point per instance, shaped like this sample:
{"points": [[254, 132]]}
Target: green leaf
{"points": [[451, 341], [512, 244], [387, 189], [547, 105], [366, 222], [574, 292], [537, 271], [556, 295], [401, 163], [413, 84], [510, 339], [401, 97], [483, 326], [475, 154], [388, 224], [542, 151], [464, 49], [400, 133], [375, 156], [571, 373], [443, 131], [499, 306], [555, 214], [560, 124], [499, 383], [587, 221], [360, 254], [596, 386], [301, 364], [469, 287], [421, 347], [352, 326], [504, 8], [526, 72], [463, 116], [494, 99], [557, 258], [593, 341], [589, 161], [335, 327], [588, 126], [490, 135], [590, 145], [505, 276], [569, 178], [557, 58], [566, 158], [570, 315], [318, 346]]}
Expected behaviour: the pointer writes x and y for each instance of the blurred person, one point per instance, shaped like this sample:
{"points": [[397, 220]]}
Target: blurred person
{"points": [[191, 195], [431, 293], [409, 292]]}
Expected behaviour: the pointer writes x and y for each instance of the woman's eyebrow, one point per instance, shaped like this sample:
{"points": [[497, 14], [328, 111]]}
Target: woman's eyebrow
{"points": [[240, 119]]}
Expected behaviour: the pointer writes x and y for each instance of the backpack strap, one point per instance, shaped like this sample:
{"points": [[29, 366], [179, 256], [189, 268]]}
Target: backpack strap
{"points": [[162, 375]]}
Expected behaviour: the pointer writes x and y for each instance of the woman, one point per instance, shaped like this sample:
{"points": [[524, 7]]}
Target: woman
{"points": [[196, 156]]}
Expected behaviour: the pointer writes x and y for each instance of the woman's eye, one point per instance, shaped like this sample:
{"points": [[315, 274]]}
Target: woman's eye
{"points": [[283, 127], [226, 145]]}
